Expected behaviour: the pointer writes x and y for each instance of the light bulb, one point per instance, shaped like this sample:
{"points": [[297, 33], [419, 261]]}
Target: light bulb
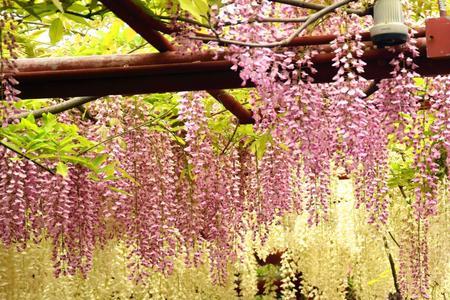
{"points": [[389, 29]]}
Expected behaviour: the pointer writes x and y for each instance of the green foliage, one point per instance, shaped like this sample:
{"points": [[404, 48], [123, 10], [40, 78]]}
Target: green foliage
{"points": [[39, 21], [221, 123], [423, 8], [402, 172], [54, 19], [58, 5], [41, 9], [31, 104], [56, 31], [62, 169], [401, 164], [51, 141], [351, 289], [269, 274], [197, 8]]}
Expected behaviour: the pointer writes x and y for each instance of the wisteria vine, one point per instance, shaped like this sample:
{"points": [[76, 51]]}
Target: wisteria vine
{"points": [[185, 196]]}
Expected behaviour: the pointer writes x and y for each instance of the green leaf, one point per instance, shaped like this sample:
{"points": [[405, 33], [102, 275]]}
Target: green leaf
{"points": [[58, 5], [62, 169], [49, 121], [29, 123], [76, 7], [56, 31], [120, 191], [260, 144], [419, 81], [77, 19], [37, 144], [18, 140], [111, 37], [28, 9], [99, 159], [109, 170], [93, 4], [66, 141], [129, 34], [197, 8], [126, 175], [31, 104], [283, 146], [382, 276], [75, 160]]}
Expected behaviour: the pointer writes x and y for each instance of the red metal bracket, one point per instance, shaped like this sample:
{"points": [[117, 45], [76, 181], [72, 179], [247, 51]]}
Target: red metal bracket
{"points": [[438, 37]]}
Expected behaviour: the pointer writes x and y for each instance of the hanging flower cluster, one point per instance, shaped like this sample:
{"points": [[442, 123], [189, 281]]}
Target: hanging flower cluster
{"points": [[8, 45], [66, 209], [316, 126]]}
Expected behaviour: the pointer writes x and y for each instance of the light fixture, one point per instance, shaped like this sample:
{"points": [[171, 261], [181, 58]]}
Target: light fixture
{"points": [[389, 29]]}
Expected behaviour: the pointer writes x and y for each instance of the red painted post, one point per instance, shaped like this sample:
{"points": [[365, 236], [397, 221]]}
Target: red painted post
{"points": [[438, 37]]}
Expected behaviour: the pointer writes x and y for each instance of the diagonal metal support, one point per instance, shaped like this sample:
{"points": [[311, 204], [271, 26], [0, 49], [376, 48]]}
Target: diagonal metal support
{"points": [[140, 20]]}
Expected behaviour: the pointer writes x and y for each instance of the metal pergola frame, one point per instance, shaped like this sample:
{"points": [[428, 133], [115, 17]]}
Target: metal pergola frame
{"points": [[172, 71]]}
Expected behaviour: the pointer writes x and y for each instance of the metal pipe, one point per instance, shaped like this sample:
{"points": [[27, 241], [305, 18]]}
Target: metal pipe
{"points": [[326, 39], [112, 72], [206, 74], [316, 40], [102, 61]]}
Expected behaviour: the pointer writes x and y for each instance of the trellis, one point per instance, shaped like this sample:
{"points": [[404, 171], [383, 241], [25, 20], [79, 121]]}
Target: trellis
{"points": [[173, 71]]}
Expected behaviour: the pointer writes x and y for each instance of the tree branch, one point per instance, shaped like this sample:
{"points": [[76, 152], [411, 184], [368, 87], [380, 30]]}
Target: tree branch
{"points": [[143, 22], [230, 140], [402, 191], [285, 42], [248, 21], [313, 6], [87, 16], [57, 108], [148, 123], [186, 20], [372, 88], [392, 237], [85, 113], [27, 158], [392, 265], [282, 20]]}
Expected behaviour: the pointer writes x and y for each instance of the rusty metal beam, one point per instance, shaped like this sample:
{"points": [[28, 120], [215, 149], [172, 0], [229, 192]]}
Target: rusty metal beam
{"points": [[244, 115], [128, 80], [171, 72], [28, 65]]}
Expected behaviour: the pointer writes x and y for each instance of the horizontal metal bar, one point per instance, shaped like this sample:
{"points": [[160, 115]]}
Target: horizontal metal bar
{"points": [[180, 73], [108, 61]]}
